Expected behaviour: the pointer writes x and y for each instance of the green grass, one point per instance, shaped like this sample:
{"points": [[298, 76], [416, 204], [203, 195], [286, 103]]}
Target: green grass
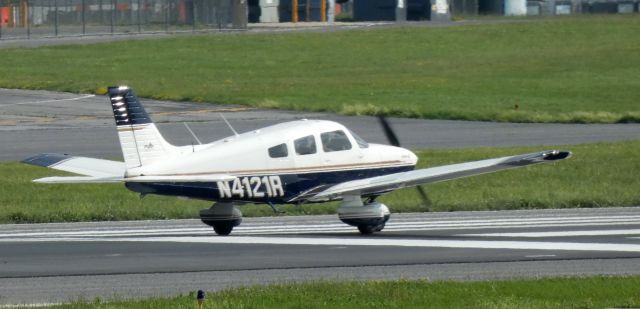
{"points": [[598, 175], [590, 292], [575, 69]]}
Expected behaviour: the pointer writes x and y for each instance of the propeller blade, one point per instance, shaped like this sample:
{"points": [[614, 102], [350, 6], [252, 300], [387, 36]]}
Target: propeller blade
{"points": [[388, 131], [393, 140]]}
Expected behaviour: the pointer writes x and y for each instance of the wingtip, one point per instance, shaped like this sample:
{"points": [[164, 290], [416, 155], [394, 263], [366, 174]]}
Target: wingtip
{"points": [[557, 155], [46, 159]]}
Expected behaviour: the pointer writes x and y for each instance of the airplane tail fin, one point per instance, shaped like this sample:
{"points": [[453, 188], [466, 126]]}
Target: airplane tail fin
{"points": [[140, 139]]}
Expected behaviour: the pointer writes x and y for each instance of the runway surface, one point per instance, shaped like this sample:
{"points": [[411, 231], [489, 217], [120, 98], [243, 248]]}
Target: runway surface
{"points": [[51, 263], [33, 122]]}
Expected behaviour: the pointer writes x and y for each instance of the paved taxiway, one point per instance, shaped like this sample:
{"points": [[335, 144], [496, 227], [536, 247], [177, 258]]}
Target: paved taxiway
{"points": [[42, 263], [33, 122]]}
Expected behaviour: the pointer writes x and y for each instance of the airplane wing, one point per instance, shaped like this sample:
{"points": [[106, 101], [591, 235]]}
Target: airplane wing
{"points": [[387, 183], [103, 171]]}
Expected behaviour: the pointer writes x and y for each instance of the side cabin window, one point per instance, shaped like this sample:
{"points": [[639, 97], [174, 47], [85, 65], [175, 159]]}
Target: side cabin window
{"points": [[335, 141], [279, 151], [305, 145]]}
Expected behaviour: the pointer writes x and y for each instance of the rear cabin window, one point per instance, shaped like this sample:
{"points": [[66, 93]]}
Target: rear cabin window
{"points": [[305, 145], [335, 141], [278, 151]]}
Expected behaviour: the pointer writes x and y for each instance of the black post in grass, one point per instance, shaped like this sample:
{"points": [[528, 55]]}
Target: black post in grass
{"points": [[200, 299]]}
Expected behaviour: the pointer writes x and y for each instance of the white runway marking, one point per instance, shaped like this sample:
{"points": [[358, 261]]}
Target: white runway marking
{"points": [[558, 233], [338, 235], [50, 101], [326, 228], [417, 243]]}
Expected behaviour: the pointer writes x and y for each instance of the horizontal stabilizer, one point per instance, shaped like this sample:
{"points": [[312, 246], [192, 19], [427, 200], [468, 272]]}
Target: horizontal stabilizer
{"points": [[78, 179], [101, 171], [96, 168]]}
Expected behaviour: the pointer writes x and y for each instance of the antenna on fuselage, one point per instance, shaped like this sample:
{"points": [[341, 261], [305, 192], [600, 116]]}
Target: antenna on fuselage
{"points": [[192, 134], [228, 124]]}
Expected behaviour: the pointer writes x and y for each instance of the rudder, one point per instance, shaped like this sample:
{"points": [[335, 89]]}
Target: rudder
{"points": [[140, 140]]}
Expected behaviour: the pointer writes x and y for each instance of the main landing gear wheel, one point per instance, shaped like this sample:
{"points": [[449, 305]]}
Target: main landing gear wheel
{"points": [[223, 217], [369, 218], [366, 229], [223, 228]]}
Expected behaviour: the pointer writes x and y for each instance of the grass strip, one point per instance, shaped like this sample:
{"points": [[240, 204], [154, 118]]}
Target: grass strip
{"points": [[598, 175], [588, 292], [577, 69]]}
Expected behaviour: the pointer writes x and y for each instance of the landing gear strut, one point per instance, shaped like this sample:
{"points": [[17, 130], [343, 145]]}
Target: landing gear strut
{"points": [[369, 218], [223, 217]]}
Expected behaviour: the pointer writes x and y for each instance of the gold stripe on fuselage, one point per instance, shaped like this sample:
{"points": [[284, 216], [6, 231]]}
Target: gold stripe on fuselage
{"points": [[295, 170]]}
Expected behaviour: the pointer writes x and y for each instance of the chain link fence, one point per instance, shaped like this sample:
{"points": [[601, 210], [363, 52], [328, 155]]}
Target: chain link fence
{"points": [[50, 18]]}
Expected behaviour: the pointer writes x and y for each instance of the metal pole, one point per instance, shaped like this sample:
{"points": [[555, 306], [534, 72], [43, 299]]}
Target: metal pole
{"points": [[307, 11], [323, 10], [193, 15], [332, 11], [30, 13], [166, 16], [84, 21]]}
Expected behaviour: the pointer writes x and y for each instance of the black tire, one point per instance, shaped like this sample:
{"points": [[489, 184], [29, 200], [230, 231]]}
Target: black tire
{"points": [[379, 227], [366, 229], [223, 228]]}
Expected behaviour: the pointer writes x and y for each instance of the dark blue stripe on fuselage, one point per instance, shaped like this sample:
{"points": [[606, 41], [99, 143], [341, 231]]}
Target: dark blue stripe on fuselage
{"points": [[292, 184]]}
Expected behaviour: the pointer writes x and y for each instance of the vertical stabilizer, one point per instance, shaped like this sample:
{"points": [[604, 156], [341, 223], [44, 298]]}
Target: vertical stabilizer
{"points": [[140, 139]]}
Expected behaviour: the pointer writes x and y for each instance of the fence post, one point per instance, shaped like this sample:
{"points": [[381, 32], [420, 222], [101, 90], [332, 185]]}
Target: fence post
{"points": [[55, 3], [29, 19], [113, 14], [193, 15], [84, 21], [139, 8]]}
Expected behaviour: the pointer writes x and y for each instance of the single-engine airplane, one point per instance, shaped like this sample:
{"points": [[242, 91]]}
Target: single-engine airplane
{"points": [[303, 161]]}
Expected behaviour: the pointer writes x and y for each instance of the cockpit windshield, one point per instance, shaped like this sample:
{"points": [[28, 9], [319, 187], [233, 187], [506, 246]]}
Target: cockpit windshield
{"points": [[361, 143]]}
